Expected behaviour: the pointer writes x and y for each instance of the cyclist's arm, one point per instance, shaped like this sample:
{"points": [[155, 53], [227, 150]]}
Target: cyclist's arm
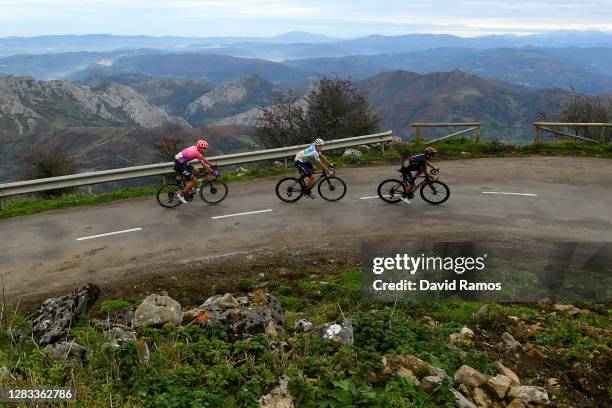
{"points": [[324, 158], [325, 169], [206, 165], [432, 166]]}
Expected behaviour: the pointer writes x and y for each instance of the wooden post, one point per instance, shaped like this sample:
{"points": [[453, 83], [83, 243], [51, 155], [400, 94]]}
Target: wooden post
{"points": [[418, 134], [164, 179], [382, 147], [286, 163], [537, 134], [477, 133], [602, 137]]}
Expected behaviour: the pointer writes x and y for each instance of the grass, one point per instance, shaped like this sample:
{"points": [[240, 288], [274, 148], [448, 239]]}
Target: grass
{"points": [[451, 149], [196, 366]]}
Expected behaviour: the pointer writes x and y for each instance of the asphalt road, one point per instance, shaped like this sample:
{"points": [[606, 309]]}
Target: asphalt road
{"points": [[566, 199]]}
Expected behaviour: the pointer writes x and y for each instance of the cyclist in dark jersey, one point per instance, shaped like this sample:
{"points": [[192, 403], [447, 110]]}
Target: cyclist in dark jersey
{"points": [[418, 163]]}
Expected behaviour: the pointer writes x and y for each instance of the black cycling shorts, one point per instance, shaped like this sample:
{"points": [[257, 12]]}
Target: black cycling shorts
{"points": [[304, 167], [184, 169], [407, 171]]}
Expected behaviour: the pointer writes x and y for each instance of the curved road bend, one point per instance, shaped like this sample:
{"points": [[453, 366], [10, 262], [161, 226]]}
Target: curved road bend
{"points": [[554, 199]]}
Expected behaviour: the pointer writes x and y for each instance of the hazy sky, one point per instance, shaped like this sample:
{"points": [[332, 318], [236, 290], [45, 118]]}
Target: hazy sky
{"points": [[340, 18]]}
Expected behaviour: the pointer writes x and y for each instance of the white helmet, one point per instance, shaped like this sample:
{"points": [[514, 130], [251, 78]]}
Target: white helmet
{"points": [[318, 142]]}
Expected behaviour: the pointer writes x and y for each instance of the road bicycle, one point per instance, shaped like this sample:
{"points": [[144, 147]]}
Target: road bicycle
{"points": [[330, 188], [433, 192], [210, 187]]}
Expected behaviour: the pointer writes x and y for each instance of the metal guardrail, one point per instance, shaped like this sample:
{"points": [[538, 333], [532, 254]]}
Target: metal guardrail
{"points": [[105, 176], [548, 127], [472, 126]]}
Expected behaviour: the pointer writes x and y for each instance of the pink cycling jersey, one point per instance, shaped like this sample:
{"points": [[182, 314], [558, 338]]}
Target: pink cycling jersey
{"points": [[189, 154]]}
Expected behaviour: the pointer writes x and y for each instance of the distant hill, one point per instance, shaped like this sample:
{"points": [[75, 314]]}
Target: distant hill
{"points": [[301, 37], [505, 111], [587, 70], [27, 105], [208, 67], [103, 148], [230, 98]]}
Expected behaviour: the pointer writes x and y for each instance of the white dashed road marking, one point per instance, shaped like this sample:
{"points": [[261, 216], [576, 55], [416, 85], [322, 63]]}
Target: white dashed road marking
{"points": [[244, 213], [108, 233], [504, 193]]}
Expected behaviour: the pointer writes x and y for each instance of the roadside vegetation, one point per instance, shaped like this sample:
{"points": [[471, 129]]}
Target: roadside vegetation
{"points": [[451, 149], [196, 366]]}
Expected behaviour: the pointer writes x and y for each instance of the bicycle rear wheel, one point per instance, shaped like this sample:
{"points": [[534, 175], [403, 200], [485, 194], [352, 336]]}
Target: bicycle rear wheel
{"points": [[435, 192], [167, 195], [213, 191], [391, 191], [332, 188], [289, 189]]}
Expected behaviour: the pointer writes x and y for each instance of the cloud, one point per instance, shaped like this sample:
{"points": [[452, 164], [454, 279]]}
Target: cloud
{"points": [[269, 17]]}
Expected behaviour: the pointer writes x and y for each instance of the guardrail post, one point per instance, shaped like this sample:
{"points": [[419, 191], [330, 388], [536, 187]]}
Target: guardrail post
{"points": [[286, 163], [418, 134], [537, 134], [477, 133], [602, 136], [382, 147]]}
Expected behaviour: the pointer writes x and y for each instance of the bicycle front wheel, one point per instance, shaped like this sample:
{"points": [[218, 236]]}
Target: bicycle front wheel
{"points": [[167, 195], [391, 191], [289, 189], [435, 192], [332, 188], [213, 191]]}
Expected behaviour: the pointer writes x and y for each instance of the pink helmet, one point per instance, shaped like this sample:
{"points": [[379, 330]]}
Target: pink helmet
{"points": [[202, 144]]}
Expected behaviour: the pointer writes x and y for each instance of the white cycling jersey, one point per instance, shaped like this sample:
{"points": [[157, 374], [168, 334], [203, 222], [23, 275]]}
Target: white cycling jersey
{"points": [[309, 154]]}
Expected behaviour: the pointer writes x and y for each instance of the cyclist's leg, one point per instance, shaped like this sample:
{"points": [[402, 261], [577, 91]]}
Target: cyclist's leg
{"points": [[305, 170], [191, 180]]}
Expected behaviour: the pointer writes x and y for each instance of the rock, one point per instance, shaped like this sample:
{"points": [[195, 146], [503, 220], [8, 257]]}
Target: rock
{"points": [[516, 403], [498, 386], [466, 332], [509, 340], [270, 329], [190, 315], [118, 333], [514, 379], [481, 399], [552, 382], [352, 152], [303, 324], [279, 397], [513, 319], [66, 350], [469, 376], [455, 339], [250, 315], [342, 332], [156, 310], [228, 301], [55, 315], [569, 310], [407, 373], [430, 383], [484, 309], [461, 401], [277, 163], [364, 148], [393, 363], [544, 302], [529, 394]]}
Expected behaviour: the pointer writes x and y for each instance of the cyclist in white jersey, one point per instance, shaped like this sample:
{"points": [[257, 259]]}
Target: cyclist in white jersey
{"points": [[305, 159]]}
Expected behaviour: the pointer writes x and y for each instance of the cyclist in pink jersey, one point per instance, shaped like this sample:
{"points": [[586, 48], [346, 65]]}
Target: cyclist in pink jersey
{"points": [[182, 166]]}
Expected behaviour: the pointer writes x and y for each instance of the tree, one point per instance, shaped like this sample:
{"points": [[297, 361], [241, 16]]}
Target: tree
{"points": [[50, 160], [580, 108], [335, 110], [168, 147]]}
